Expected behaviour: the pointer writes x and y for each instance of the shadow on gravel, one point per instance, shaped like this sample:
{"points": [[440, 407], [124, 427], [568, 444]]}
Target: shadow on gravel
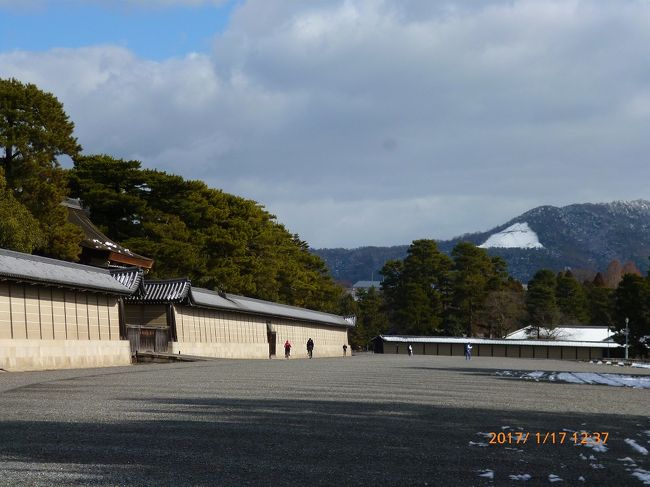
{"points": [[255, 442]]}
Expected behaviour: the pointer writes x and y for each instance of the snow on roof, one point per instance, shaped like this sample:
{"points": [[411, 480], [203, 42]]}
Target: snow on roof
{"points": [[491, 341], [571, 333], [518, 235]]}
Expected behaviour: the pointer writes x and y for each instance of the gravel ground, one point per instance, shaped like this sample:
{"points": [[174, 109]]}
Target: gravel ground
{"points": [[364, 420]]}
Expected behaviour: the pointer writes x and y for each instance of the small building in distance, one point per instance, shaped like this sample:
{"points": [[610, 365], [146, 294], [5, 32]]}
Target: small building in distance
{"points": [[487, 347]]}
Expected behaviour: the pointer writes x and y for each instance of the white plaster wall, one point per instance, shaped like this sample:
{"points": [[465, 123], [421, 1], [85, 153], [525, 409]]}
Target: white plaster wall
{"points": [[20, 355], [222, 350]]}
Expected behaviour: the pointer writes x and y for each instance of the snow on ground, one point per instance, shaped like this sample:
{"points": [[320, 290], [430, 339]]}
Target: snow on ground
{"points": [[641, 365], [523, 476], [636, 446], [616, 380], [630, 464], [488, 474], [519, 235]]}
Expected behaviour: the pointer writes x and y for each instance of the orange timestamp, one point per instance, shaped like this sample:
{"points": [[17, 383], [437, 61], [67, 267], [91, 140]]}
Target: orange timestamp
{"points": [[548, 437]]}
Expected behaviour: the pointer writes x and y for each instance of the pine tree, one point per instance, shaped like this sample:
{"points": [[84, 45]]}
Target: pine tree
{"points": [[34, 132], [540, 301], [571, 299]]}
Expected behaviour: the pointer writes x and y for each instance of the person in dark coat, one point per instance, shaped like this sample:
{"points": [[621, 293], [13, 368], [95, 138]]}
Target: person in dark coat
{"points": [[468, 351], [310, 347]]}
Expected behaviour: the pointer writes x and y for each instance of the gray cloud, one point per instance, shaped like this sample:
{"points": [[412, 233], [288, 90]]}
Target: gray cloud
{"points": [[372, 122]]}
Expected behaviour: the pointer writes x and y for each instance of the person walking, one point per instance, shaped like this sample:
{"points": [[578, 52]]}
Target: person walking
{"points": [[345, 349], [468, 351], [287, 349], [310, 347], [410, 350]]}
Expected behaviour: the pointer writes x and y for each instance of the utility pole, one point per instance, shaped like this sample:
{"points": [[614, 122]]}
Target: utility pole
{"points": [[627, 333]]}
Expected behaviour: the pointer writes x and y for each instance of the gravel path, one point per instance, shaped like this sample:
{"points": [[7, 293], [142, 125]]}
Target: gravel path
{"points": [[365, 420]]}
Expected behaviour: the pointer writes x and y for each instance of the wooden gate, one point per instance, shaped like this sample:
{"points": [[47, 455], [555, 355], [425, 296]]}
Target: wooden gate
{"points": [[143, 339]]}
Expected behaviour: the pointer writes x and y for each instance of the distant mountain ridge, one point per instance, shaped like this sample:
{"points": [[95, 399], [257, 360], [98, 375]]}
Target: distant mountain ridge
{"points": [[586, 236]]}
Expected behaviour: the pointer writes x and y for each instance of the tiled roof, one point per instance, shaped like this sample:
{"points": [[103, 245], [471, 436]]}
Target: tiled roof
{"points": [[34, 269], [164, 291], [94, 239], [257, 306], [130, 277], [181, 291]]}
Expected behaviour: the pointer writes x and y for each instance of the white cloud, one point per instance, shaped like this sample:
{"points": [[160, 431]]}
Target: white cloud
{"points": [[372, 122]]}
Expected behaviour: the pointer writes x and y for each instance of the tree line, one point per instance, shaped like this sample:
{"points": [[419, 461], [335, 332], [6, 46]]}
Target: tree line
{"points": [[469, 293], [218, 240]]}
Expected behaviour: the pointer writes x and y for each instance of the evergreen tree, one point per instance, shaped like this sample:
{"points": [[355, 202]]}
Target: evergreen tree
{"points": [[474, 275], [218, 240], [571, 299], [417, 290], [540, 301], [632, 301], [371, 318], [19, 230], [34, 132]]}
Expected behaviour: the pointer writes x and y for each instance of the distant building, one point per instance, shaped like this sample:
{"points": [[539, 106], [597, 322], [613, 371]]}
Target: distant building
{"points": [[488, 347]]}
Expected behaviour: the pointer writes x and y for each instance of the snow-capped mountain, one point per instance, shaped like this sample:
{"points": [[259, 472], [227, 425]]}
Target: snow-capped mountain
{"points": [[587, 236]]}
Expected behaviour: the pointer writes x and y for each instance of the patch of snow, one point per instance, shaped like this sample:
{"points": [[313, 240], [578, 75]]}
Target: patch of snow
{"points": [[630, 461], [519, 235], [616, 380], [554, 478], [636, 446], [474, 443], [641, 365], [536, 374], [523, 476], [642, 475], [589, 442], [581, 479], [488, 474]]}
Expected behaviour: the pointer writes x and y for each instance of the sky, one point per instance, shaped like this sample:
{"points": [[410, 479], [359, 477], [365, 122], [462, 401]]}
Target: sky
{"points": [[356, 122]]}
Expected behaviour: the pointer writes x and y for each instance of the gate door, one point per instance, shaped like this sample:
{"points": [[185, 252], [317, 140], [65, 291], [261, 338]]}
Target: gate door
{"points": [[271, 337], [148, 339]]}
